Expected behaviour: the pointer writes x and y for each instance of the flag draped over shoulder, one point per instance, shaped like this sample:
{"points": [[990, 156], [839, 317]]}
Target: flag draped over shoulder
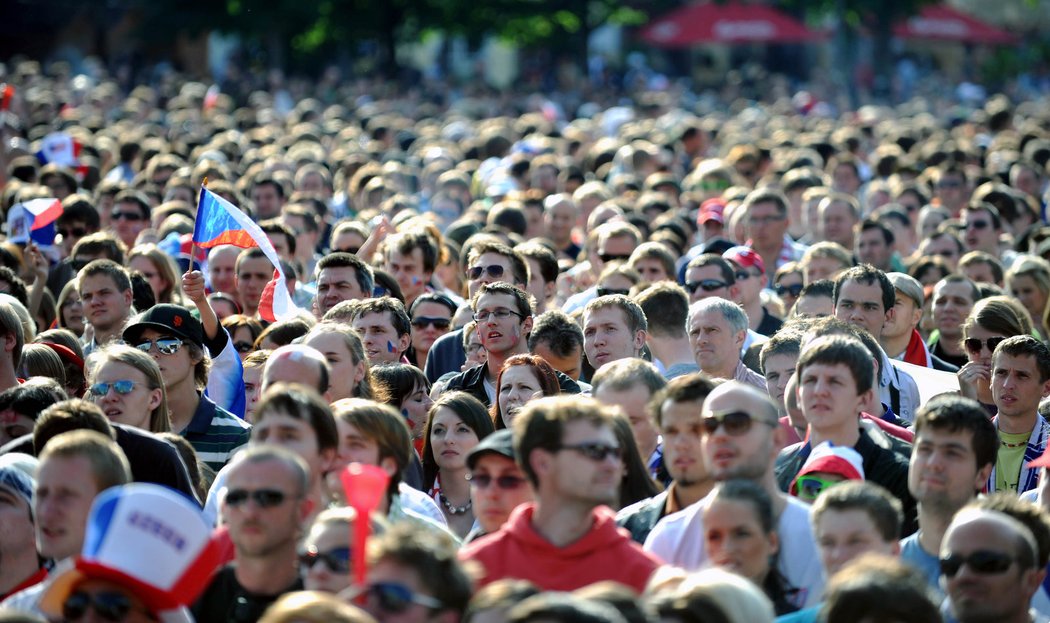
{"points": [[220, 222]]}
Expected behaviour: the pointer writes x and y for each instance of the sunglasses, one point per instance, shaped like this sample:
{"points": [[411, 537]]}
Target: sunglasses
{"points": [[507, 483], [495, 271], [127, 216], [123, 388], [707, 285], [75, 232], [394, 598], [978, 225], [165, 345], [108, 605], [76, 264], [973, 345], [337, 560], [423, 322], [609, 291], [736, 423], [743, 275], [792, 290], [610, 257], [265, 498], [243, 347], [983, 561], [810, 487], [595, 451]]}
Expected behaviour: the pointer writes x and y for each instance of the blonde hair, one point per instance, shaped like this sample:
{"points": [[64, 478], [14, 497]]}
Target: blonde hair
{"points": [[159, 418], [165, 268]]}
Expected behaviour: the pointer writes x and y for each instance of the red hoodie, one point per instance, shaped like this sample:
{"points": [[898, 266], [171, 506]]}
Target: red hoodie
{"points": [[606, 552]]}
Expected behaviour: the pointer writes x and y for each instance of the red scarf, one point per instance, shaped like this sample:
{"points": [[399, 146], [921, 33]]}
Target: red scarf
{"points": [[916, 352]]}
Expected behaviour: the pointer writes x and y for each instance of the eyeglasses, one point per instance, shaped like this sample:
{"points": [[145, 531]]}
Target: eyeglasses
{"points": [[978, 225], [393, 598], [498, 314], [983, 561], [973, 345], [595, 451], [108, 605], [243, 347], [337, 560], [608, 291], [507, 483], [265, 498], [495, 271], [792, 290], [610, 257], [73, 232], [165, 345], [707, 285], [123, 387], [423, 322], [810, 487], [117, 215], [736, 423]]}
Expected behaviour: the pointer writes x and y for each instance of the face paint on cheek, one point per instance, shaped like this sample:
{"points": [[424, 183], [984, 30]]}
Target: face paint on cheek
{"points": [[416, 280], [390, 347], [411, 424]]}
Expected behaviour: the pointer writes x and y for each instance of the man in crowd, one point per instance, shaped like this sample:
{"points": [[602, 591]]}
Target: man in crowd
{"points": [[614, 328], [254, 271], [631, 384], [497, 484], [675, 413], [411, 258], [740, 440], [666, 309], [875, 245], [953, 300], [955, 446], [384, 327], [570, 453], [20, 566], [1020, 380], [766, 215], [717, 329], [543, 273], [710, 275], [900, 335], [559, 340], [342, 277], [839, 214], [222, 269], [105, 292]]}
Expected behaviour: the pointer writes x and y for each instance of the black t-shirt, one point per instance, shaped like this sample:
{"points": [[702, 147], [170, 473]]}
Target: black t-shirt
{"points": [[226, 601]]}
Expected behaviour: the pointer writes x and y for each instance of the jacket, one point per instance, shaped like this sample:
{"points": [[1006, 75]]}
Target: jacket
{"points": [[605, 553], [640, 517]]}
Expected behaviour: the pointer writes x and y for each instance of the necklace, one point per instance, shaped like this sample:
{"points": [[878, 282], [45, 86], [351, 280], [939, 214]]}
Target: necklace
{"points": [[453, 510], [1018, 444]]}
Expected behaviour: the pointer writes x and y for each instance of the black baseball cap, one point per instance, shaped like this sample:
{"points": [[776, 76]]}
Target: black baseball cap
{"points": [[500, 442], [173, 319]]}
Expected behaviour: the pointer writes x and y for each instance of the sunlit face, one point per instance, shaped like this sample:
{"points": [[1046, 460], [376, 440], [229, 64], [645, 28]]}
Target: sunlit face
{"points": [[415, 407], [828, 396], [494, 502], [843, 535], [518, 385], [607, 336], [451, 440], [735, 539], [149, 270], [133, 408], [861, 304], [345, 375]]}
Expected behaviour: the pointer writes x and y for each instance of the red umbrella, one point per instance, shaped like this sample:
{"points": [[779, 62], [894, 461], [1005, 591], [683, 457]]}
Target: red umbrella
{"points": [[941, 22], [725, 23]]}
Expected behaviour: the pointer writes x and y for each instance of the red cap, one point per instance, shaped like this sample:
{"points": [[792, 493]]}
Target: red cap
{"points": [[745, 257], [711, 210]]}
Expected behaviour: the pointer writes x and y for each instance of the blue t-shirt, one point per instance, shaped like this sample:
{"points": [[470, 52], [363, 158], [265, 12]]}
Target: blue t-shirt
{"points": [[913, 554]]}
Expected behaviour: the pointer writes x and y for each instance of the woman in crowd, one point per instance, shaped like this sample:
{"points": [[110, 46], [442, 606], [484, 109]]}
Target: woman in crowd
{"points": [[159, 271], [342, 348], [244, 331], [1028, 280], [991, 321], [522, 378], [455, 425], [127, 385], [740, 536], [637, 484], [70, 309], [405, 388]]}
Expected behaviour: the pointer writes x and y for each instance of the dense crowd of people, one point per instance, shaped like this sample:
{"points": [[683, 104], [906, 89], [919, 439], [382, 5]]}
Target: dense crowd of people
{"points": [[632, 364]]}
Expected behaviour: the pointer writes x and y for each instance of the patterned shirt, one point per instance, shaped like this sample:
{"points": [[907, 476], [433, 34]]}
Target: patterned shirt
{"points": [[215, 433]]}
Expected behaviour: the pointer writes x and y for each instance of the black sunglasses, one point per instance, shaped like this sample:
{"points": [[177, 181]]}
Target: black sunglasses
{"points": [[243, 347], [73, 232], [438, 323], [117, 215], [494, 271], [337, 560], [792, 290], [393, 598], [736, 423], [983, 561], [108, 605], [608, 291], [973, 345], [978, 224], [707, 285], [609, 257], [484, 481], [595, 451], [265, 498]]}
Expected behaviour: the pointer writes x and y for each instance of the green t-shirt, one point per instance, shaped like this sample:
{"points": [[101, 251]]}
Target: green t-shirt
{"points": [[1008, 462]]}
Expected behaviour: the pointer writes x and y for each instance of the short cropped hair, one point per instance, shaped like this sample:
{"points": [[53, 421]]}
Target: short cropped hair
{"points": [[840, 349], [433, 556], [624, 374], [521, 298], [633, 314], [109, 466], [363, 272], [730, 311], [398, 316], [951, 413], [868, 275], [541, 424], [558, 331], [666, 309], [884, 510], [1026, 345], [382, 424], [301, 403]]}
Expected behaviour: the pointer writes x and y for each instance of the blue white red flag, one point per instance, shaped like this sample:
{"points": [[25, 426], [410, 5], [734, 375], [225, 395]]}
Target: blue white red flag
{"points": [[220, 222]]}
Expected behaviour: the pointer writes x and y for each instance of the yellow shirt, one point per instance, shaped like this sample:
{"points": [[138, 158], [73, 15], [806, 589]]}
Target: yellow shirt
{"points": [[1009, 459]]}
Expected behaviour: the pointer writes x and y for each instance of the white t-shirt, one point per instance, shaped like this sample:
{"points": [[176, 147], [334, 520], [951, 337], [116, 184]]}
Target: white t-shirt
{"points": [[678, 539]]}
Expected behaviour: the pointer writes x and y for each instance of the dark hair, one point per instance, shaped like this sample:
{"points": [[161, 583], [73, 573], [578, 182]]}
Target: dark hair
{"points": [[666, 309], [399, 319], [69, 415], [637, 484], [392, 383], [17, 285], [431, 554], [302, 403], [382, 424], [546, 259], [29, 399], [363, 272], [1033, 516], [783, 342], [867, 275], [712, 259], [521, 298], [887, 234], [499, 595], [406, 242], [693, 387], [276, 227], [545, 374], [554, 607], [283, 332], [1026, 345], [558, 331], [433, 297], [840, 349], [519, 267], [116, 272], [952, 413], [879, 588], [821, 287], [884, 510], [470, 411], [541, 424]]}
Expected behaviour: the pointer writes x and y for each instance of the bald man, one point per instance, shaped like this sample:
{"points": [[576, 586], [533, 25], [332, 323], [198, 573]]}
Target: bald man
{"points": [[296, 363]]}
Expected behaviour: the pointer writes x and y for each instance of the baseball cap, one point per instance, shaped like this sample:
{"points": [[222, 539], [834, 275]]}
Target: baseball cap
{"points": [[711, 210], [909, 287], [173, 319], [831, 459], [18, 482], [745, 257], [500, 442], [145, 537]]}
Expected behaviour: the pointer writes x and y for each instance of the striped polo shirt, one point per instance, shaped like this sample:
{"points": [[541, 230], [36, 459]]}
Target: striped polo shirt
{"points": [[215, 433]]}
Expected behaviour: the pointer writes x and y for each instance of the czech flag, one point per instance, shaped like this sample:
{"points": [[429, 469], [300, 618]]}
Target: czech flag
{"points": [[33, 220], [220, 222]]}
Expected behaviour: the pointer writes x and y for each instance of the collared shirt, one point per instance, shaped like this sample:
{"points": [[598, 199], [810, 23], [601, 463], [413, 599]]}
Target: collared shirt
{"points": [[745, 374], [215, 433], [1028, 479], [790, 251]]}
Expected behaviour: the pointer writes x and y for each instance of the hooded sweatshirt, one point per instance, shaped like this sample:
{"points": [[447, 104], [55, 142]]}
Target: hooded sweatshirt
{"points": [[605, 552]]}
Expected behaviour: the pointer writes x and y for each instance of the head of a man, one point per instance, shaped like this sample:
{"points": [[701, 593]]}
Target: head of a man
{"points": [[497, 484], [816, 300], [559, 340], [839, 214], [17, 544], [411, 258], [855, 518], [253, 272], [864, 296], [222, 268], [717, 329], [741, 432], [988, 566], [954, 451], [296, 363], [490, 261], [504, 316], [953, 300], [74, 468], [875, 244], [175, 340], [766, 215], [105, 293], [675, 412], [982, 227], [297, 418], [778, 358], [568, 449], [1020, 376], [631, 384], [710, 275], [342, 277], [908, 302], [750, 273], [384, 327], [666, 308], [614, 328], [836, 375]]}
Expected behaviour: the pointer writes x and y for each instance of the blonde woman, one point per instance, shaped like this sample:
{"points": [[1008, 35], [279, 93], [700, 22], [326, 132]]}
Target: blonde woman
{"points": [[1028, 280], [159, 270], [126, 384]]}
